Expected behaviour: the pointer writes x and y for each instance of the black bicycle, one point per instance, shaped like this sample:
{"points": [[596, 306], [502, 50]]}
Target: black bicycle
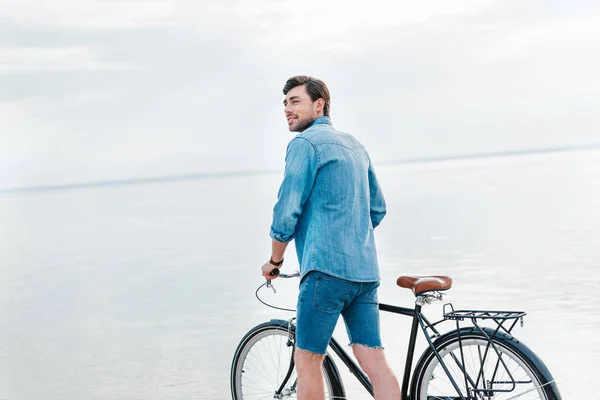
{"points": [[477, 360]]}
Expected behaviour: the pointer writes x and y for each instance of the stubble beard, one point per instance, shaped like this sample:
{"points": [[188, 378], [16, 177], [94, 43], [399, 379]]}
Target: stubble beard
{"points": [[303, 123]]}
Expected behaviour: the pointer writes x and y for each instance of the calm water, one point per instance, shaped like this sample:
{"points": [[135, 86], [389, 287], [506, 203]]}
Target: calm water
{"points": [[143, 291]]}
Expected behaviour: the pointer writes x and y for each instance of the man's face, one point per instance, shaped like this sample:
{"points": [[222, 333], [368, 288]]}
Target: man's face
{"points": [[300, 110]]}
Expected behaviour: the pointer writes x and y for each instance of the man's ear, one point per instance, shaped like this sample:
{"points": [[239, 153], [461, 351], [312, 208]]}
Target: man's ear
{"points": [[320, 104]]}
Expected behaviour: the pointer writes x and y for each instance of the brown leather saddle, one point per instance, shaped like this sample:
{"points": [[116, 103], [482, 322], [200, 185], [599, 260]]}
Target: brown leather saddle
{"points": [[422, 284]]}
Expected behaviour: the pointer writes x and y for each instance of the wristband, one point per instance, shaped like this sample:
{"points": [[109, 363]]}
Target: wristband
{"points": [[277, 264]]}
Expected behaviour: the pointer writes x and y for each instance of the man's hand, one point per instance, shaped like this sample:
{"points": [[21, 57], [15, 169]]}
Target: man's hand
{"points": [[266, 270], [278, 250]]}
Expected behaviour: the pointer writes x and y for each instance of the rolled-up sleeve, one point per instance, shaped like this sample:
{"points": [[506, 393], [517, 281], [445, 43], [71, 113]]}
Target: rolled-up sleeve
{"points": [[301, 165], [377, 202]]}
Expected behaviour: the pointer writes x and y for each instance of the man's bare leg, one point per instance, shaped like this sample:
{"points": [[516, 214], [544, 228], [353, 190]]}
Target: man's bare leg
{"points": [[310, 375], [374, 363]]}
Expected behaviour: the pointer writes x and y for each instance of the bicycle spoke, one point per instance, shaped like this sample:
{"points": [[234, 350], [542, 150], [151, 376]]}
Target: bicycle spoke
{"points": [[264, 372], [279, 374]]}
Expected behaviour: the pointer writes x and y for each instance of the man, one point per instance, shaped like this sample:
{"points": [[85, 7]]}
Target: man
{"points": [[329, 203]]}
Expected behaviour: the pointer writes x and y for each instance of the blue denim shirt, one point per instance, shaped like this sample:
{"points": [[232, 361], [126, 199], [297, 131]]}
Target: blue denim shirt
{"points": [[329, 202]]}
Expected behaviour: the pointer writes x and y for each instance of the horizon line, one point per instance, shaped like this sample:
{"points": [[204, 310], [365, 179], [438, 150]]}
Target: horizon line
{"points": [[239, 173]]}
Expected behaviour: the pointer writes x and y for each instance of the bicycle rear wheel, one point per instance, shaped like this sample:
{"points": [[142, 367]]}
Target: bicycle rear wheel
{"points": [[508, 370], [262, 361]]}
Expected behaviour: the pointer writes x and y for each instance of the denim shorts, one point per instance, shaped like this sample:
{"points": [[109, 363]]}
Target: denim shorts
{"points": [[323, 298]]}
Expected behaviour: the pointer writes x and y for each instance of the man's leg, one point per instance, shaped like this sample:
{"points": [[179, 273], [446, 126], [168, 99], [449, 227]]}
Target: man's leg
{"points": [[362, 323], [374, 363], [320, 302], [310, 375]]}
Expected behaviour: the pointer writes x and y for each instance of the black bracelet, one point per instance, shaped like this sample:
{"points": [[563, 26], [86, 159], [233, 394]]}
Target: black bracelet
{"points": [[277, 264]]}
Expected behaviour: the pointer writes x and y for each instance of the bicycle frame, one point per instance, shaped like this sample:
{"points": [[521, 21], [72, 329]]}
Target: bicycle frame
{"points": [[355, 369]]}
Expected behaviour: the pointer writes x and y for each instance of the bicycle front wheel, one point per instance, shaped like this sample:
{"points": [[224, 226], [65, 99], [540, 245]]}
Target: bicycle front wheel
{"points": [[505, 370], [263, 362]]}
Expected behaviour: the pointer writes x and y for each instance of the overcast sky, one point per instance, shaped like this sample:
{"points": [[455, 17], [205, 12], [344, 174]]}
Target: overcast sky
{"points": [[113, 89]]}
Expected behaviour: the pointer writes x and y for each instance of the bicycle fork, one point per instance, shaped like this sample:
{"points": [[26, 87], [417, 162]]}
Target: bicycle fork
{"points": [[291, 342]]}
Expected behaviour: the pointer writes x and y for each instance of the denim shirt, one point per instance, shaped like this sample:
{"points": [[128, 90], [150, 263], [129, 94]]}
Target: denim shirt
{"points": [[329, 202]]}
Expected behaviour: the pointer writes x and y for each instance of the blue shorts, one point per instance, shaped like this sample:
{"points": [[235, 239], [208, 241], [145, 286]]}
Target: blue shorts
{"points": [[323, 298]]}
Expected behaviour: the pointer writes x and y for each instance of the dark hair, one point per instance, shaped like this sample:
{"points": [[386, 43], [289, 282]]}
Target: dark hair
{"points": [[315, 88]]}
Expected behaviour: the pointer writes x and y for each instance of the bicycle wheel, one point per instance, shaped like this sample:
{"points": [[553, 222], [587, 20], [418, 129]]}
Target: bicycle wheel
{"points": [[262, 361], [508, 370]]}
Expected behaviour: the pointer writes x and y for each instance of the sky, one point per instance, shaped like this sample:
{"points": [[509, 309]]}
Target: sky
{"points": [[113, 89]]}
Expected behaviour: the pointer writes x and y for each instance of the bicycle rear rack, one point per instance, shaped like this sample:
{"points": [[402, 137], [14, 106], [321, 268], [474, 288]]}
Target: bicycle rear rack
{"points": [[499, 317], [505, 321]]}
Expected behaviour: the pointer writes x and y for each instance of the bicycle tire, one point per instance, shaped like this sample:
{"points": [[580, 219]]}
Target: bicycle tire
{"points": [[248, 380], [517, 373]]}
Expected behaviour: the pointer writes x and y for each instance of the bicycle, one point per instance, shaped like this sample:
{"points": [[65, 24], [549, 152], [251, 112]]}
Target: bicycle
{"points": [[472, 362]]}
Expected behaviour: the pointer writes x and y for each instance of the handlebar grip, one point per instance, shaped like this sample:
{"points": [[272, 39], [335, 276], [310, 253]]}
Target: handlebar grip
{"points": [[275, 272]]}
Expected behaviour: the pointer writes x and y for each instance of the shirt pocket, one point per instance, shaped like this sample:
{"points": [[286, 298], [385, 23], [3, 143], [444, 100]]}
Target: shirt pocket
{"points": [[331, 293]]}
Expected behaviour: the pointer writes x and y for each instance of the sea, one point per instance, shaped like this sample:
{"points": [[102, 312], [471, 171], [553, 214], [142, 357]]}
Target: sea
{"points": [[143, 290]]}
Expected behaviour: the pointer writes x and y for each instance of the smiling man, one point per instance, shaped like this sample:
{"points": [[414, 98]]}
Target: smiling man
{"points": [[329, 203]]}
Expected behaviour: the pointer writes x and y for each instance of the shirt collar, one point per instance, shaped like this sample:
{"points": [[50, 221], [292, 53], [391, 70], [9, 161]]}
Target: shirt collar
{"points": [[321, 120]]}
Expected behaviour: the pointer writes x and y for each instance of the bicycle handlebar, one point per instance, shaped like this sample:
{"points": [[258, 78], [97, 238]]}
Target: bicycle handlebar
{"points": [[278, 273]]}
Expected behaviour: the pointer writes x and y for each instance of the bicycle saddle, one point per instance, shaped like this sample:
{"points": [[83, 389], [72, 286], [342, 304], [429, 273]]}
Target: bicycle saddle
{"points": [[422, 284]]}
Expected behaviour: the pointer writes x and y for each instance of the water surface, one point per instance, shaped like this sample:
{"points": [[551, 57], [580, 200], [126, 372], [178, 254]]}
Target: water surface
{"points": [[143, 291]]}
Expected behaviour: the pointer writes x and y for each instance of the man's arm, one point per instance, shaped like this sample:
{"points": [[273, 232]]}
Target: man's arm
{"points": [[378, 207], [278, 250], [301, 165]]}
